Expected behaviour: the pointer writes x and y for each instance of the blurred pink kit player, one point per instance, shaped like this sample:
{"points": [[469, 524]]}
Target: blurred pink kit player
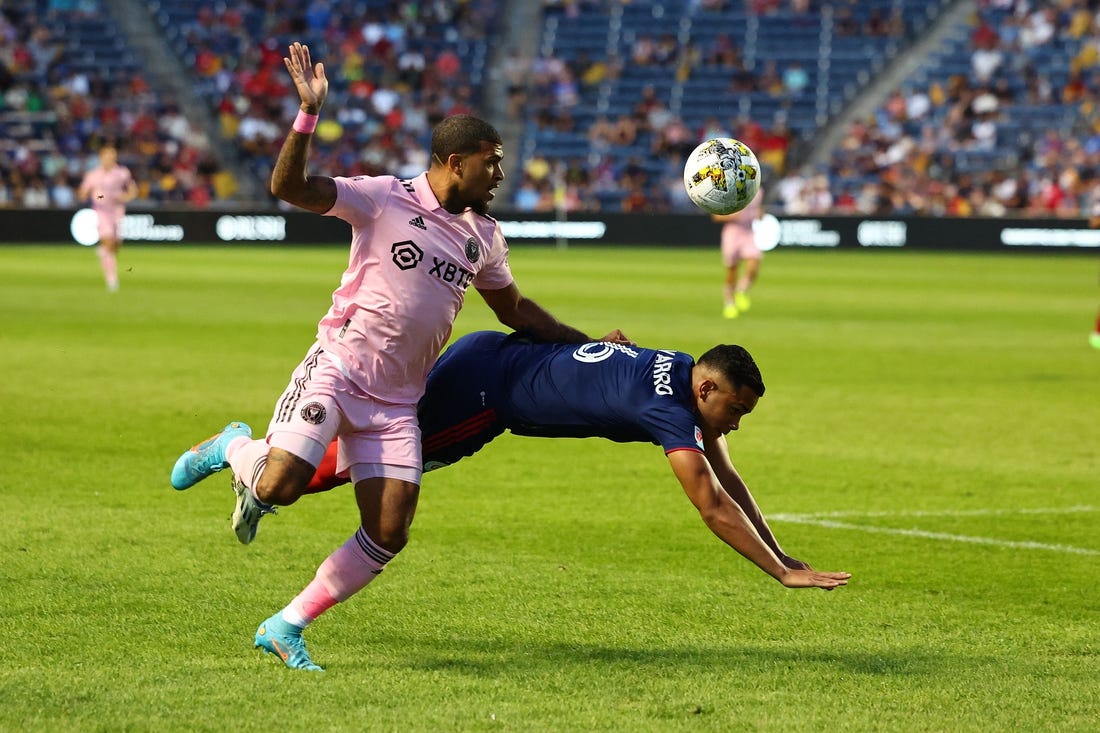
{"points": [[109, 187], [739, 245]]}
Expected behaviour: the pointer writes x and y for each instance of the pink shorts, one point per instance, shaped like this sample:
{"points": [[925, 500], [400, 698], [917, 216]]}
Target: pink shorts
{"points": [[738, 243], [108, 220], [374, 438]]}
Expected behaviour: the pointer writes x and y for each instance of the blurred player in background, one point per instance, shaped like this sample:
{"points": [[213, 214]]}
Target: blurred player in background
{"points": [[109, 187], [417, 245], [739, 248]]}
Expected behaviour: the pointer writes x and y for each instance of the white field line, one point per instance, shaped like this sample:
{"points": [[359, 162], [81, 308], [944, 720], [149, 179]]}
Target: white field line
{"points": [[825, 520], [947, 513]]}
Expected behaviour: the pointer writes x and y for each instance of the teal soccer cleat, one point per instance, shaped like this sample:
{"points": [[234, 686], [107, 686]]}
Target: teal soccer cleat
{"points": [[207, 457], [276, 636], [247, 513]]}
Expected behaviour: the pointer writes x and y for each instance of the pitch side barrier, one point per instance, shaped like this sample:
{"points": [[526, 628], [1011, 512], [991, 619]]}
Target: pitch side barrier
{"points": [[166, 227]]}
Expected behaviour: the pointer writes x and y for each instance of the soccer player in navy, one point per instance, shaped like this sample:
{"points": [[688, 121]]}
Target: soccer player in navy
{"points": [[489, 382]]}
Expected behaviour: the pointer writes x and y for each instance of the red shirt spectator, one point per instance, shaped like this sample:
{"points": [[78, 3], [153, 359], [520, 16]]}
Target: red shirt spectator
{"points": [[984, 36], [447, 64]]}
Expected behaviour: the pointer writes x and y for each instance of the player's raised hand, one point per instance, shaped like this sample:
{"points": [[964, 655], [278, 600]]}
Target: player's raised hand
{"points": [[814, 579], [309, 78]]}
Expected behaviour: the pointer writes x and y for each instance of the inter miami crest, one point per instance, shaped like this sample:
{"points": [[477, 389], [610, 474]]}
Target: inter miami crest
{"points": [[472, 250], [314, 413]]}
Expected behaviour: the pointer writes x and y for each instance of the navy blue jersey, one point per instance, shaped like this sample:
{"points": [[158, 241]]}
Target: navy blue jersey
{"points": [[487, 382]]}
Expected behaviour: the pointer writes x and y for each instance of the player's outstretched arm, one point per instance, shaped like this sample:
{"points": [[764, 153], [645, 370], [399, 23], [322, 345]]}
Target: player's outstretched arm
{"points": [[730, 524], [718, 455], [289, 181], [520, 313]]}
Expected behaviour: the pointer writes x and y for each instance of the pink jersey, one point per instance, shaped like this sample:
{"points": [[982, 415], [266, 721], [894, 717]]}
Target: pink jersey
{"points": [[107, 188], [411, 262], [744, 218], [738, 241]]}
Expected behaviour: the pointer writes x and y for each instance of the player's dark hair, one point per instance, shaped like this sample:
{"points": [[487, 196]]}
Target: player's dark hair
{"points": [[462, 134], [736, 364]]}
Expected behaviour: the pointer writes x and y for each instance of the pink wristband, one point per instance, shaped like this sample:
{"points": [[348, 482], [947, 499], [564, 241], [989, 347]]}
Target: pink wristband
{"points": [[305, 123]]}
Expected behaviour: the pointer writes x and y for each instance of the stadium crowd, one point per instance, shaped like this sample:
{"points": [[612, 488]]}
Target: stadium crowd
{"points": [[961, 145], [634, 160], [395, 69], [57, 110], [956, 144]]}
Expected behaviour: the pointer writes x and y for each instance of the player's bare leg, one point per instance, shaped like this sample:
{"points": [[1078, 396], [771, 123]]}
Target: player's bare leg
{"points": [[265, 477], [729, 307], [108, 260], [284, 478], [744, 283], [386, 510]]}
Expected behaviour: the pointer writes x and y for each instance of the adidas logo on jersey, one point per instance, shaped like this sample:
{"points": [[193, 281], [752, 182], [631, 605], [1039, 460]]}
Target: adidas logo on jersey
{"points": [[418, 222]]}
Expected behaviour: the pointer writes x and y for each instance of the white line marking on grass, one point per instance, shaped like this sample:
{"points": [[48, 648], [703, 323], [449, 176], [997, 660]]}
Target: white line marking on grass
{"points": [[822, 521], [947, 513]]}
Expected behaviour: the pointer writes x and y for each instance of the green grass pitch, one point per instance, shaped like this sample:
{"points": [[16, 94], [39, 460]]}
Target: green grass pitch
{"points": [[931, 424]]}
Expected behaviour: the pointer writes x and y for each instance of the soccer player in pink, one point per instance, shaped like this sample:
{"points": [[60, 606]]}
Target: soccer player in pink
{"points": [[109, 187], [739, 247], [417, 245]]}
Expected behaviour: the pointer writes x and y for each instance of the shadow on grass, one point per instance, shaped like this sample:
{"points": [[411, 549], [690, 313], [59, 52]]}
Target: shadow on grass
{"points": [[494, 660]]}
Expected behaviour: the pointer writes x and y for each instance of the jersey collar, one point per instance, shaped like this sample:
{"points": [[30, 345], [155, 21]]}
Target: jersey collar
{"points": [[425, 193]]}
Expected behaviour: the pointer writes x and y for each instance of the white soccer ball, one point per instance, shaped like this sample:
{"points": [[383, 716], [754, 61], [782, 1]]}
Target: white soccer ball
{"points": [[722, 175]]}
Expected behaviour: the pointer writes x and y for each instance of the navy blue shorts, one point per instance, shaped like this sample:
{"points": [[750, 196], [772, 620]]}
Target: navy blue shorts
{"points": [[459, 412]]}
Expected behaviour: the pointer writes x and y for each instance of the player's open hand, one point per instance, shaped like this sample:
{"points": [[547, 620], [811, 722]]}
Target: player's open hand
{"points": [[309, 78], [814, 579]]}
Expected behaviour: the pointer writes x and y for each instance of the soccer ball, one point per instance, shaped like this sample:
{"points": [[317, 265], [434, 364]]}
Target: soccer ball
{"points": [[722, 175]]}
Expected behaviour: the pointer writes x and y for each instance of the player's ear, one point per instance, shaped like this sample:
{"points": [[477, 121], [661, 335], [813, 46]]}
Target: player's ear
{"points": [[706, 387], [453, 162]]}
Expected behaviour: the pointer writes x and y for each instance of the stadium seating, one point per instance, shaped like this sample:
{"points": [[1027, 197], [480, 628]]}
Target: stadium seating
{"points": [[617, 95], [788, 67], [988, 120], [70, 83], [394, 69]]}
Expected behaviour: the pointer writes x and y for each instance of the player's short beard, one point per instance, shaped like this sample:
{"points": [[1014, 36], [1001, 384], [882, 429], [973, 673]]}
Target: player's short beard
{"points": [[481, 206]]}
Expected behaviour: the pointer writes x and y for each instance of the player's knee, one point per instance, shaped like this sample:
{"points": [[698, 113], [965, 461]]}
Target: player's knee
{"points": [[275, 492], [386, 510], [281, 488], [390, 529], [391, 539]]}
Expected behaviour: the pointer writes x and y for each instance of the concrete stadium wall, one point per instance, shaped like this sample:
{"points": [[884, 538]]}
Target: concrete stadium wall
{"points": [[825, 232]]}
